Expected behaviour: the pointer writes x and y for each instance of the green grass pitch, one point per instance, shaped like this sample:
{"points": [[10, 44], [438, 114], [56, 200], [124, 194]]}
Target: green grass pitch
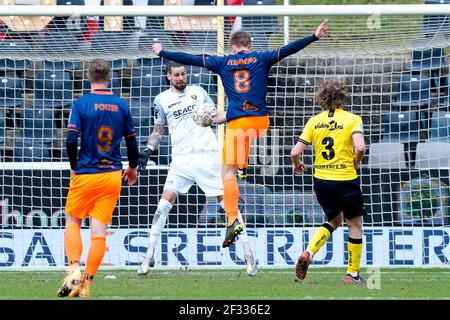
{"points": [[268, 284]]}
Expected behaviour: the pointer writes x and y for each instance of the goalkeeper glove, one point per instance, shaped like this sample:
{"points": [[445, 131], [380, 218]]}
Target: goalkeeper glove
{"points": [[143, 158]]}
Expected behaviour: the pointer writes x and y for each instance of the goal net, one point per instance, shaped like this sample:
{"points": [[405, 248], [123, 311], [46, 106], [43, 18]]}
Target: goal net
{"points": [[394, 60]]}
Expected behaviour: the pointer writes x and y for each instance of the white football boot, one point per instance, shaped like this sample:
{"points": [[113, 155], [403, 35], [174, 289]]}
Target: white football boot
{"points": [[147, 263]]}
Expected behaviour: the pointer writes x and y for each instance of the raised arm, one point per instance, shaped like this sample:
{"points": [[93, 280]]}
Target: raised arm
{"points": [[180, 57], [299, 44]]}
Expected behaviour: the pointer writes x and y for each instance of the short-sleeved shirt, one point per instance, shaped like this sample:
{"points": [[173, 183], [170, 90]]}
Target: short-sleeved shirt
{"points": [[245, 79], [102, 119], [175, 109], [330, 132]]}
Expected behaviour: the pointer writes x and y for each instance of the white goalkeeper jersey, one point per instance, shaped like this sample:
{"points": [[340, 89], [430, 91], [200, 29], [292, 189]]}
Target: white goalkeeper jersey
{"points": [[175, 110]]}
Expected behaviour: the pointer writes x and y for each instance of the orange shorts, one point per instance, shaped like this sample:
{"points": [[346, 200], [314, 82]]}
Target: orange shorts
{"points": [[94, 195], [237, 138]]}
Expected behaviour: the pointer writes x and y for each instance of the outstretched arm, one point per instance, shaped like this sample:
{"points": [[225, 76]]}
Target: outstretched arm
{"points": [[180, 57], [299, 44]]}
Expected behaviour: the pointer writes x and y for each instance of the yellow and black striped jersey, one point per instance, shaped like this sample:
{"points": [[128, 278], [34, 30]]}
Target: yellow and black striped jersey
{"points": [[330, 132]]}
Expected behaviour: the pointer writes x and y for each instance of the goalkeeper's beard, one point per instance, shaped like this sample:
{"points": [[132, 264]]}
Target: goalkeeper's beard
{"points": [[180, 86]]}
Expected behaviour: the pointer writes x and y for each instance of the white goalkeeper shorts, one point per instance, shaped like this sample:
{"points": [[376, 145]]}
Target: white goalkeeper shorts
{"points": [[206, 171]]}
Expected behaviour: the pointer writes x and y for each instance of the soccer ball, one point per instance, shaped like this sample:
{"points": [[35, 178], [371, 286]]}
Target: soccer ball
{"points": [[203, 114]]}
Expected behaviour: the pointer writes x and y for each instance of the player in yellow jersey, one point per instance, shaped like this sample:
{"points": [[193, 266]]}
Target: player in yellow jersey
{"points": [[338, 140]]}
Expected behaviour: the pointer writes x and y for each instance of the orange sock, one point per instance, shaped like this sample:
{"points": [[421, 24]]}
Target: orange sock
{"points": [[72, 243], [231, 199], [95, 256]]}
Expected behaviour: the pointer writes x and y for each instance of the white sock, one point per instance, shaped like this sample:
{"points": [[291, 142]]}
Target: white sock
{"points": [[161, 214]]}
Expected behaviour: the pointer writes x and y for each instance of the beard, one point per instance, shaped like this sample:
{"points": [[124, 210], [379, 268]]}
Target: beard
{"points": [[180, 85]]}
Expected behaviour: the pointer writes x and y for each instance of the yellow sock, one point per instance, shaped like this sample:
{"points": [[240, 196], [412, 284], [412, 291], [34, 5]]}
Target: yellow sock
{"points": [[320, 238], [354, 254]]}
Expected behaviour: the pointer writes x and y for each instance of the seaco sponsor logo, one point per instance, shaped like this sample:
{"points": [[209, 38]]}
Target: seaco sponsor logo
{"points": [[181, 113]]}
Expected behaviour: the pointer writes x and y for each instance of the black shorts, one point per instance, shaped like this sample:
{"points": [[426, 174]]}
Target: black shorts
{"points": [[340, 196]]}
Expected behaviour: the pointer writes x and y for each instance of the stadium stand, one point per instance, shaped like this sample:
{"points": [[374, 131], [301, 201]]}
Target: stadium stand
{"points": [[433, 25], [31, 150], [431, 61], [141, 116], [440, 126], [205, 2], [433, 155], [39, 123], [445, 99], [146, 84], [57, 44], [290, 207], [11, 91], [387, 155], [2, 127], [14, 68], [128, 24], [201, 39], [52, 89], [149, 62], [74, 26], [400, 127], [16, 48], [154, 23], [107, 42], [254, 25], [414, 92], [52, 65]]}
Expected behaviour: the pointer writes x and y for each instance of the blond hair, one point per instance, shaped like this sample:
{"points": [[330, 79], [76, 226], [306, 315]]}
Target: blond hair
{"points": [[99, 70]]}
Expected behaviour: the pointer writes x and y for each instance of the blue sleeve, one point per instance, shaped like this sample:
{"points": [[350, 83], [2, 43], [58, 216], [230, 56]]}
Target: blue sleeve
{"points": [[209, 62], [213, 63], [128, 129], [73, 131], [183, 58], [74, 123], [291, 48]]}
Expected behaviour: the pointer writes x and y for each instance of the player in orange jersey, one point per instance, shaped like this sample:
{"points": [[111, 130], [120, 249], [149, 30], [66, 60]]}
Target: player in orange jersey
{"points": [[244, 75], [102, 119]]}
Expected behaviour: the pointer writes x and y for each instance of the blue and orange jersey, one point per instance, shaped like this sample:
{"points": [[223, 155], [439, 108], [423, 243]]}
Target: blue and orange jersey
{"points": [[244, 75], [102, 119], [245, 79]]}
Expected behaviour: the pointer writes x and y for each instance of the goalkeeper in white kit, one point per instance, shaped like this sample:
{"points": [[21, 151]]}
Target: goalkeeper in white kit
{"points": [[195, 156]]}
